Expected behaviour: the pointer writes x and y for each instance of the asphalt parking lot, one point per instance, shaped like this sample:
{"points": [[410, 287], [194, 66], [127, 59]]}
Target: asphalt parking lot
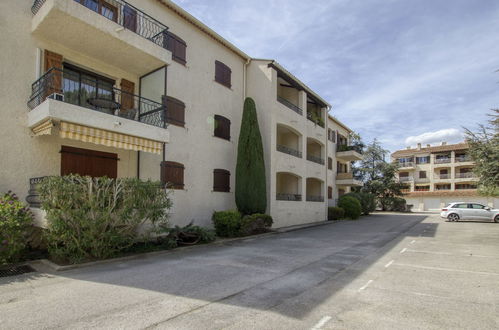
{"points": [[385, 271]]}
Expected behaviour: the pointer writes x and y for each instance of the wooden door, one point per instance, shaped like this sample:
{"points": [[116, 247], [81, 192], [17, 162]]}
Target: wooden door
{"points": [[88, 162]]}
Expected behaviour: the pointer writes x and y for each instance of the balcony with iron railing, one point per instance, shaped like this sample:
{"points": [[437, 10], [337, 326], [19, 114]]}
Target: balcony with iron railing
{"points": [[442, 160], [405, 164], [288, 197], [463, 159], [315, 159], [465, 175], [289, 151], [406, 179], [442, 176], [63, 86], [111, 28], [289, 105], [314, 198], [315, 117]]}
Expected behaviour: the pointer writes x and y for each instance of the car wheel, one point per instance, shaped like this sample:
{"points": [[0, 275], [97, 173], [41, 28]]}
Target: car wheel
{"points": [[453, 217], [496, 219]]}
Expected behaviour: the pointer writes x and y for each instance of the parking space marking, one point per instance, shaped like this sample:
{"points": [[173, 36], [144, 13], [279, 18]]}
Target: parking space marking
{"points": [[321, 322], [451, 254], [403, 250], [447, 269], [389, 264], [365, 285], [413, 241]]}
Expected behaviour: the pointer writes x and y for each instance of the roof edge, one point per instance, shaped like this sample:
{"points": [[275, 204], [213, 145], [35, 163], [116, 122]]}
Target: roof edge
{"points": [[336, 120]]}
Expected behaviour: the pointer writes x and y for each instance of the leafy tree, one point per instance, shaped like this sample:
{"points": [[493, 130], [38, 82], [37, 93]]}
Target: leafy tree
{"points": [[251, 195], [378, 176], [484, 150]]}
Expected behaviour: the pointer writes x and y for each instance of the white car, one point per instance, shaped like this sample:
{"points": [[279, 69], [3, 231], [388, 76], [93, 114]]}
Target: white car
{"points": [[473, 211]]}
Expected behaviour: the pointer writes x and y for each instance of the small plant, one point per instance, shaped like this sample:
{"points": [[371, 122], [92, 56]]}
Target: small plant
{"points": [[335, 213], [189, 235], [351, 205], [255, 224], [397, 204], [15, 221], [102, 217], [367, 201], [227, 223]]}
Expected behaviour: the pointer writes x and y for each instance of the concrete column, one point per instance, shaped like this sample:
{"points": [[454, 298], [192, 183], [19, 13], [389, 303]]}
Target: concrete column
{"points": [[302, 101]]}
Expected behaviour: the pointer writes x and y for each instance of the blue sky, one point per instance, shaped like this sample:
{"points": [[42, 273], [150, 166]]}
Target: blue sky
{"points": [[400, 71]]}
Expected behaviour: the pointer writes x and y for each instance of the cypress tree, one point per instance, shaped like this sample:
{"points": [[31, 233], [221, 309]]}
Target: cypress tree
{"points": [[251, 194]]}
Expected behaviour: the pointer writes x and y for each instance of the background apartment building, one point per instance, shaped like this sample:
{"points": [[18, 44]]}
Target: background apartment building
{"points": [[438, 175], [143, 89]]}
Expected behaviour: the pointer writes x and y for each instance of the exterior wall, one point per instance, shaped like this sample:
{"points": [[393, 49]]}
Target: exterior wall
{"points": [[435, 204], [331, 174]]}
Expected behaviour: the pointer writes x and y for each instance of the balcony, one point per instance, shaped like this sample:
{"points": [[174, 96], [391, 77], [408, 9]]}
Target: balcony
{"points": [[348, 153], [59, 96], [315, 159], [463, 159], [290, 105], [288, 187], [347, 179], [406, 165], [288, 197], [405, 179], [442, 176], [113, 32], [314, 113], [442, 161], [422, 180], [465, 175], [289, 151], [314, 190], [313, 198], [288, 140]]}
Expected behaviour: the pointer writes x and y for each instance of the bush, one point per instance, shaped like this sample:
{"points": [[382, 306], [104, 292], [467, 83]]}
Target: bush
{"points": [[255, 224], [367, 201], [102, 216], [227, 223], [335, 213], [397, 204], [351, 205], [15, 221]]}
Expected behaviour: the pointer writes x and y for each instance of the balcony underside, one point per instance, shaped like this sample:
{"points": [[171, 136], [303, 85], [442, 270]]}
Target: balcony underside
{"points": [[82, 30], [349, 155], [129, 134]]}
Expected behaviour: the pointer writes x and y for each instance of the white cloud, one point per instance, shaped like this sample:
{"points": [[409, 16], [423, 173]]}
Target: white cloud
{"points": [[450, 135]]}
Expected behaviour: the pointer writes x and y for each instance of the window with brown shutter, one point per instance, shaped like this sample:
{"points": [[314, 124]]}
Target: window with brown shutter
{"points": [[130, 18], [223, 74], [53, 60], [330, 192], [175, 111], [177, 46], [172, 174], [329, 163], [222, 127], [88, 162], [221, 180]]}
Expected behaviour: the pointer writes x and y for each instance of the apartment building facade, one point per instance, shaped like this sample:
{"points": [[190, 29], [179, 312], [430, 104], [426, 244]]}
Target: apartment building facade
{"points": [[143, 89], [434, 176]]}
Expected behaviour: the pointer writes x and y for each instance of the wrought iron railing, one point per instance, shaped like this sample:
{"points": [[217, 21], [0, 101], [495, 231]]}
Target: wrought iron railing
{"points": [[290, 105], [464, 175], [288, 197], [313, 198], [406, 164], [422, 179], [315, 118], [405, 178], [74, 89], [346, 147], [442, 176], [462, 159], [442, 160], [126, 15], [315, 159], [289, 151]]}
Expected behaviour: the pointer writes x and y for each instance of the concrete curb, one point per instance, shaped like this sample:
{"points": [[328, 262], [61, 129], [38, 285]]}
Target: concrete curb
{"points": [[42, 264]]}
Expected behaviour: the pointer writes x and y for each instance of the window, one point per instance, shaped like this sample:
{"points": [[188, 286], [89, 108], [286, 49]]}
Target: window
{"points": [[102, 7], [422, 174], [423, 160], [178, 48], [477, 206], [222, 74], [222, 127], [461, 206], [329, 163], [330, 192], [172, 173], [175, 111], [331, 135], [221, 180]]}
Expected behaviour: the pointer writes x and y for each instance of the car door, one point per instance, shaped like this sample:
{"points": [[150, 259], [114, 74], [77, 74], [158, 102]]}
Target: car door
{"points": [[480, 212], [462, 210]]}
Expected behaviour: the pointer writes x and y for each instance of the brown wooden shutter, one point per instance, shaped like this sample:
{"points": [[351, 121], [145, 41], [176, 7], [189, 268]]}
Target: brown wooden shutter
{"points": [[172, 173], [130, 18], [222, 127], [54, 80], [127, 95], [223, 74], [177, 46], [175, 111], [221, 180], [88, 162], [330, 163], [329, 192]]}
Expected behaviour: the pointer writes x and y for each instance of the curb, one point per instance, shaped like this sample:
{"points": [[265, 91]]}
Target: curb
{"points": [[40, 264]]}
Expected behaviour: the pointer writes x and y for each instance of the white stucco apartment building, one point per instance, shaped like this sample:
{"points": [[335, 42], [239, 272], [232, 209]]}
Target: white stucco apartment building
{"points": [[434, 176], [143, 89]]}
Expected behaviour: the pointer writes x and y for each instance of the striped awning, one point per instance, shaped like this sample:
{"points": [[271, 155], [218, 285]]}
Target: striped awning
{"points": [[44, 128], [107, 138]]}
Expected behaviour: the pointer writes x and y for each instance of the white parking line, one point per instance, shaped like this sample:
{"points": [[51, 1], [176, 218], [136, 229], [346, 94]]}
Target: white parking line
{"points": [[448, 269], [321, 322], [365, 285], [389, 264], [413, 241], [403, 250]]}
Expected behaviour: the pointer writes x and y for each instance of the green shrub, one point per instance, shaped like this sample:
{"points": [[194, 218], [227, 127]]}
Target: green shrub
{"points": [[95, 218], [397, 204], [351, 205], [367, 201], [227, 223], [255, 224], [335, 213], [15, 221], [251, 193]]}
